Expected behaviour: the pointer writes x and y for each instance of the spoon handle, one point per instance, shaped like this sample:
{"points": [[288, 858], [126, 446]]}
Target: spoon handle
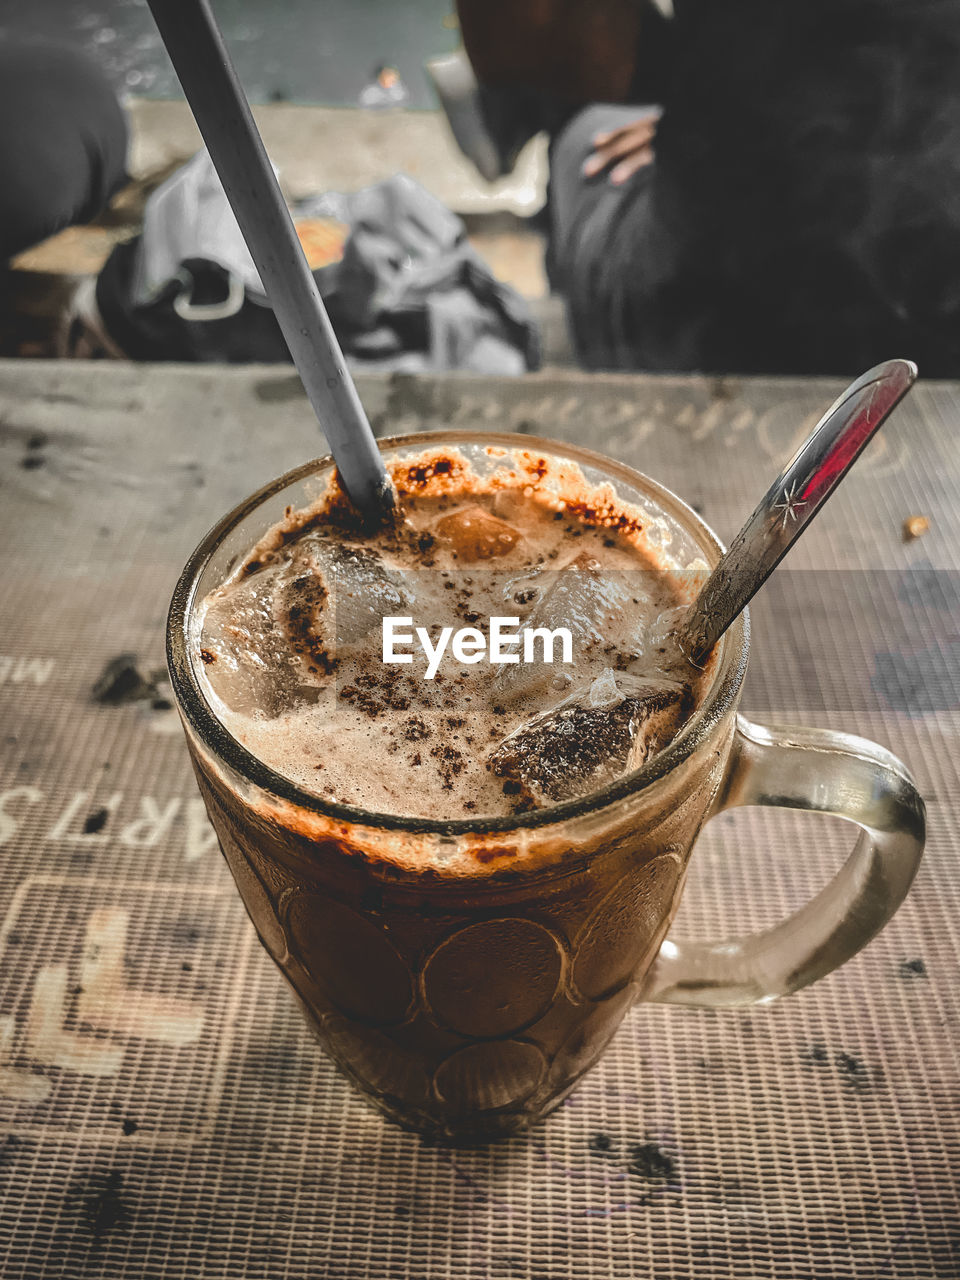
{"points": [[792, 501]]}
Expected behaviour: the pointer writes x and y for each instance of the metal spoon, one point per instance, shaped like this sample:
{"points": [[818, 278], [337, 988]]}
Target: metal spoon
{"points": [[792, 501]]}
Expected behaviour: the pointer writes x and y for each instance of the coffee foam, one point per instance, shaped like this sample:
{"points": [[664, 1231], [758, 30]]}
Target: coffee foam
{"points": [[385, 739]]}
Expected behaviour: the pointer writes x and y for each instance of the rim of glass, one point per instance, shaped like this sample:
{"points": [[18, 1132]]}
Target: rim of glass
{"points": [[727, 679]]}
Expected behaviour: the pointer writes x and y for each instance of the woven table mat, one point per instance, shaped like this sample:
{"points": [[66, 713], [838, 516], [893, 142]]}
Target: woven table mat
{"points": [[164, 1111]]}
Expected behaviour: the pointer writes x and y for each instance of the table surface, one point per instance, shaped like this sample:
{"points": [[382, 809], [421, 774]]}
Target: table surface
{"points": [[164, 1110]]}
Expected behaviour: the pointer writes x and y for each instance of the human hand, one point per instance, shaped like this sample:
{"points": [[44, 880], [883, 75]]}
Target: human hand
{"points": [[623, 151]]}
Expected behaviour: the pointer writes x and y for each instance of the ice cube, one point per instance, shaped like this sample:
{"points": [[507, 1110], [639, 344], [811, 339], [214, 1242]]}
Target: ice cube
{"points": [[245, 649], [582, 598], [476, 534], [269, 639], [598, 734], [660, 640], [355, 583]]}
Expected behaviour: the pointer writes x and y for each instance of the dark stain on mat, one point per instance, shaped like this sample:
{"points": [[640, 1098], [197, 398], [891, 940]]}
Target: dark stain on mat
{"points": [[601, 1144], [852, 1071], [648, 1160], [95, 821], [8, 1148], [910, 969], [103, 1206], [122, 681]]}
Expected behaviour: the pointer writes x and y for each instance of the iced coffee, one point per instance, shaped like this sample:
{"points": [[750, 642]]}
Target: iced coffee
{"points": [[428, 713], [457, 767]]}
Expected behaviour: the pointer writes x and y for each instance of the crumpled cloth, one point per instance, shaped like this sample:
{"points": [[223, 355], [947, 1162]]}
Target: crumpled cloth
{"points": [[410, 292]]}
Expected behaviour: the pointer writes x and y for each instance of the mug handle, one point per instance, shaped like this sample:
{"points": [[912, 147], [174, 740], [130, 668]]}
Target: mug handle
{"points": [[822, 772]]}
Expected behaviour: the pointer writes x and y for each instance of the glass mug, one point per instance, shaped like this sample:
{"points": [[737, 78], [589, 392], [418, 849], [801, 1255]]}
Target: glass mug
{"points": [[466, 973]]}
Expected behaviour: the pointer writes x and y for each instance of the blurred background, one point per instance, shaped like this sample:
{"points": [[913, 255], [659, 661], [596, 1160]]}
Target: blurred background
{"points": [[286, 51], [343, 100], [737, 187]]}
